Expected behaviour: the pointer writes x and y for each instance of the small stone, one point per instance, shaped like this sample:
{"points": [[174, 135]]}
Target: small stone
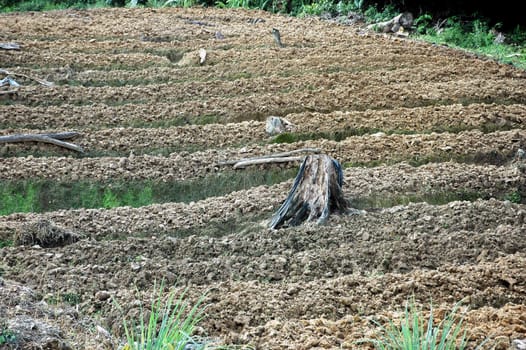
{"points": [[292, 290], [102, 295]]}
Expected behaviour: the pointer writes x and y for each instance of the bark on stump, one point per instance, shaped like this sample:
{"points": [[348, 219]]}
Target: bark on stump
{"points": [[403, 20], [315, 194]]}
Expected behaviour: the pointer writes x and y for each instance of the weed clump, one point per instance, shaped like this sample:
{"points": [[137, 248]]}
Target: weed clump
{"points": [[46, 234], [418, 333], [170, 324]]}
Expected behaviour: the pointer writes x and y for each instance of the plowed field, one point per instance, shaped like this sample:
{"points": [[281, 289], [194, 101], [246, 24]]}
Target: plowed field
{"points": [[428, 137]]}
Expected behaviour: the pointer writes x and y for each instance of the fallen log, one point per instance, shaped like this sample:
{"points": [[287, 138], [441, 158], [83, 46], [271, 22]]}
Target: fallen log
{"points": [[245, 163], [316, 193], [52, 138], [275, 155]]}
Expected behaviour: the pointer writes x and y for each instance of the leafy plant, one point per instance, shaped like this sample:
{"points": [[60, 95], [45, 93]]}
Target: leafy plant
{"points": [[514, 197], [7, 336], [316, 8], [177, 321], [477, 36], [373, 15], [423, 23], [343, 7], [517, 36], [6, 243], [233, 4], [417, 333]]}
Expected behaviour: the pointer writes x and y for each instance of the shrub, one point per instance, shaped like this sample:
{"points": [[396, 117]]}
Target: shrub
{"points": [[470, 35], [373, 15], [423, 24]]}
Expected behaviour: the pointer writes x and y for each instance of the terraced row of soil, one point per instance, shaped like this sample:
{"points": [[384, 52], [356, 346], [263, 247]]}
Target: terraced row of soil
{"points": [[430, 139]]}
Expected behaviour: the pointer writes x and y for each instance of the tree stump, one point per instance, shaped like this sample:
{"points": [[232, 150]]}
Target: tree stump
{"points": [[403, 20], [315, 194], [277, 125]]}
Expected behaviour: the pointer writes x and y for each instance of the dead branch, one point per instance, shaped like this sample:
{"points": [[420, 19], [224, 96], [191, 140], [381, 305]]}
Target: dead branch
{"points": [[275, 155], [245, 163], [53, 138]]}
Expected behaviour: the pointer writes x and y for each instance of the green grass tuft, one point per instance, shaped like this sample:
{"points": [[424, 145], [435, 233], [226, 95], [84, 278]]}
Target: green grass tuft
{"points": [[169, 326], [418, 333]]}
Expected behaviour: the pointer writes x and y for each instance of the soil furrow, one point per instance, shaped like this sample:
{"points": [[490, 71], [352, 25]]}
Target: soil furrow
{"points": [[335, 126], [430, 118], [337, 93], [379, 185], [472, 147]]}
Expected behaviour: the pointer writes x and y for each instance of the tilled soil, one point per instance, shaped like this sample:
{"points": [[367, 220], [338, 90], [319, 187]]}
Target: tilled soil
{"points": [[429, 138]]}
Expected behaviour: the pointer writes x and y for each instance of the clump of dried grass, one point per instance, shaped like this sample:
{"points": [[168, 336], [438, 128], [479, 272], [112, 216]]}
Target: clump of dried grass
{"points": [[45, 234]]}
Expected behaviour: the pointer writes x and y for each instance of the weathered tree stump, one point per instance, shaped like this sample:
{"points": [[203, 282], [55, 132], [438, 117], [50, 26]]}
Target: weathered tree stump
{"points": [[403, 20], [276, 125], [315, 194]]}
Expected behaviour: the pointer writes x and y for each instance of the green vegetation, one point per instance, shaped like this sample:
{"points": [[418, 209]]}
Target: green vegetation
{"points": [[169, 325], [5, 243], [514, 197], [7, 336], [13, 200], [475, 36], [46, 195], [433, 198], [71, 299], [418, 333], [46, 5]]}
